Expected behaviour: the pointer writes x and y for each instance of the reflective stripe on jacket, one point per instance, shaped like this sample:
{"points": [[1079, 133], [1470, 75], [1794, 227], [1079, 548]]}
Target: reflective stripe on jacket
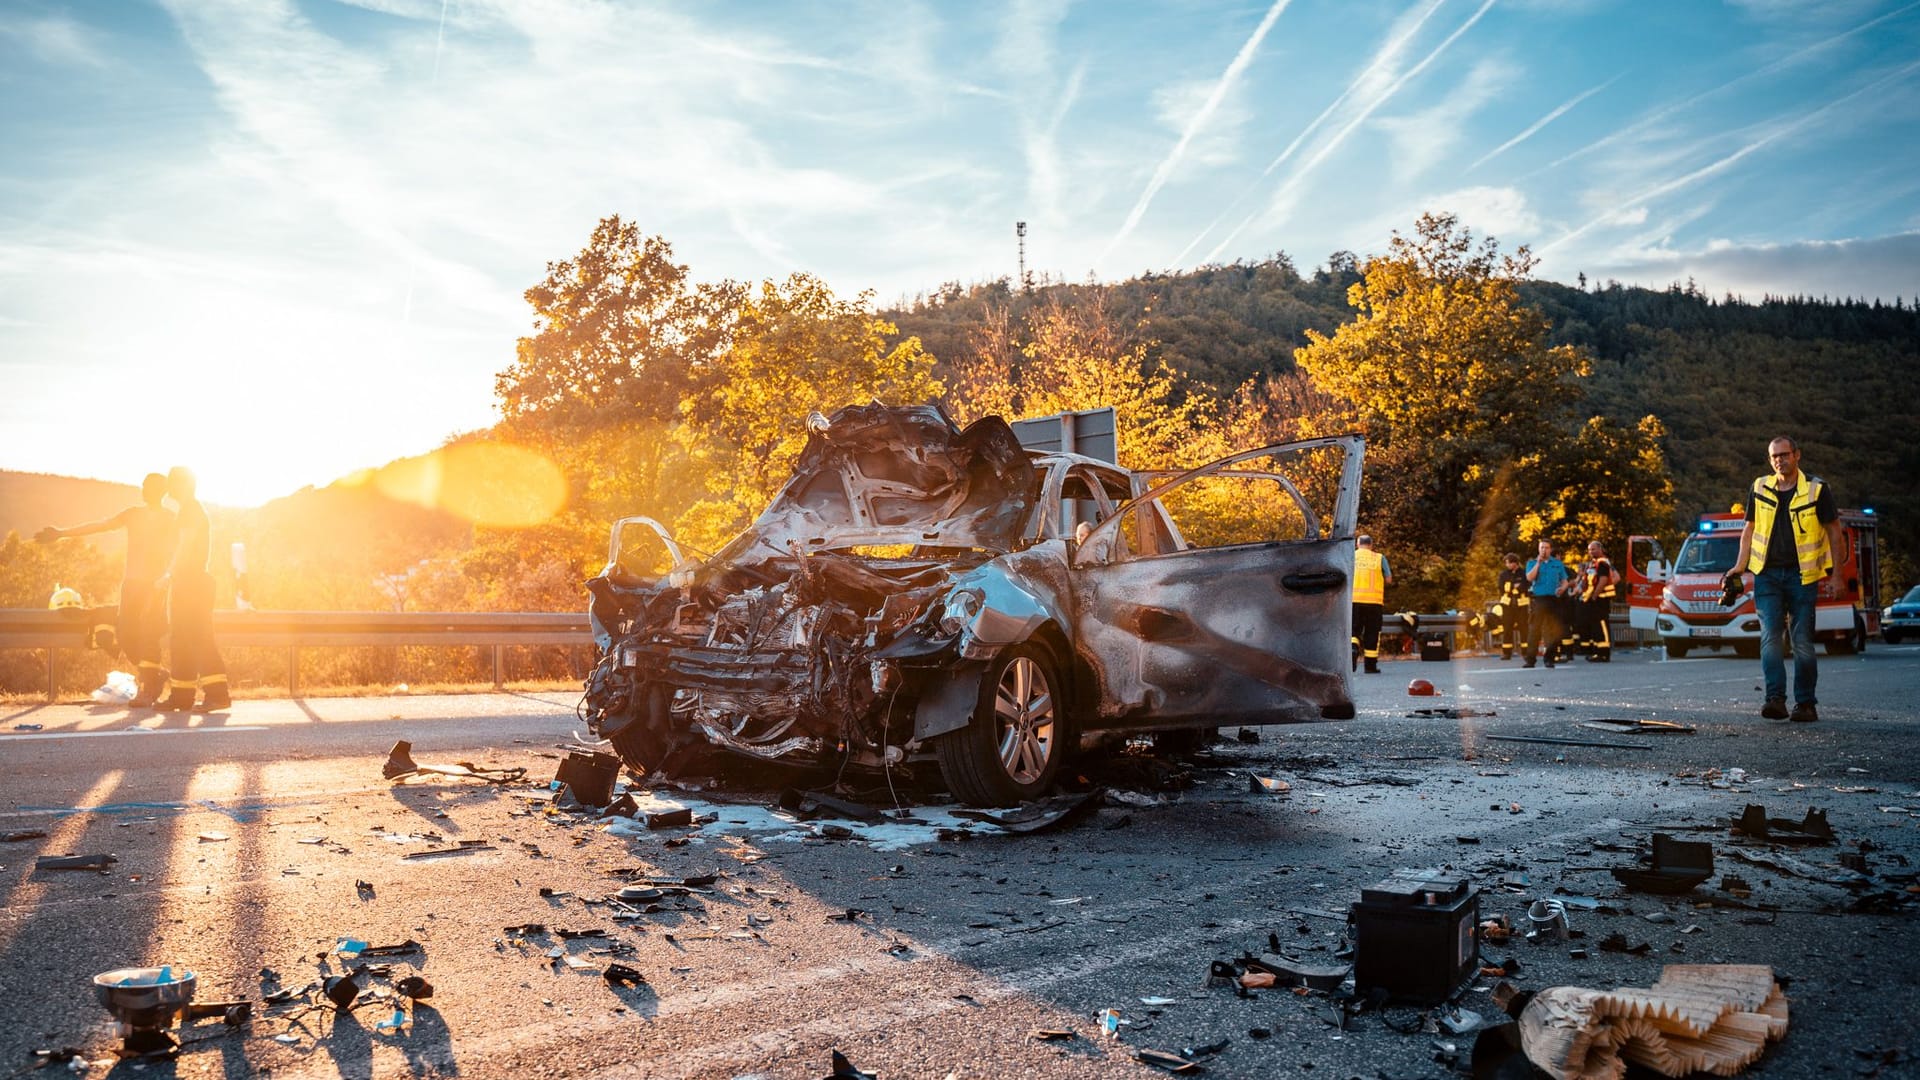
{"points": [[1809, 536]]}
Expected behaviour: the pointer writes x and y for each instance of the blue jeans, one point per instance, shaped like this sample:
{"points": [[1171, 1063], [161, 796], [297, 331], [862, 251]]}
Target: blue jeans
{"points": [[1784, 603]]}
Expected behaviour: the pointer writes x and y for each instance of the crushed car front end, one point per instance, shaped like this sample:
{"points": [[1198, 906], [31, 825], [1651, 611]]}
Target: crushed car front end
{"points": [[810, 638]]}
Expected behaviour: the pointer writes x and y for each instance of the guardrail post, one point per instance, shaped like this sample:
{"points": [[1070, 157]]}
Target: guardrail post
{"points": [[497, 684], [51, 695], [293, 671]]}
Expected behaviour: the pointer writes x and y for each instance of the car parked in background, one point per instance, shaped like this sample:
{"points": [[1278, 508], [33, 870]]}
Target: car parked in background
{"points": [[917, 593], [1901, 618]]}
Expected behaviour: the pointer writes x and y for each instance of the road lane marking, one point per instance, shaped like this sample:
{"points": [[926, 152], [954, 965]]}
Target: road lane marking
{"points": [[129, 731]]}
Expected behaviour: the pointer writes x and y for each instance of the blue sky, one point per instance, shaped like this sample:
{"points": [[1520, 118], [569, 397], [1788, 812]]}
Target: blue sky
{"points": [[292, 235]]}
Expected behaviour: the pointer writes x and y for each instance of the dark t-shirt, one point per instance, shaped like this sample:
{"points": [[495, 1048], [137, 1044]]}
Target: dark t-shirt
{"points": [[1780, 553]]}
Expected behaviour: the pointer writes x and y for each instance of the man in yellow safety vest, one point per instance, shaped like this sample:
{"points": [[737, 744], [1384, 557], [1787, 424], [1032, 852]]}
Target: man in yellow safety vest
{"points": [[1788, 545], [1371, 576]]}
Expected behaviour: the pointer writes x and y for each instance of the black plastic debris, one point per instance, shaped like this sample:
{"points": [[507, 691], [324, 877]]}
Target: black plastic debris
{"points": [[807, 805], [1208, 1050], [400, 764], [75, 862], [342, 990], [844, 1070], [1259, 1033], [1222, 973], [1617, 942], [1040, 815], [415, 987], [565, 934], [1161, 1059], [532, 929], [466, 847], [624, 806], [1452, 713], [1813, 829], [23, 834], [852, 914], [1676, 867], [1051, 1035], [590, 776], [1248, 735], [364, 889], [1644, 727], [1293, 971], [670, 819], [622, 975]]}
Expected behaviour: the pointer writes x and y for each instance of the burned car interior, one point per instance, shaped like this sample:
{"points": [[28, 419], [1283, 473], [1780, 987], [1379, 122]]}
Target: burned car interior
{"points": [[921, 594]]}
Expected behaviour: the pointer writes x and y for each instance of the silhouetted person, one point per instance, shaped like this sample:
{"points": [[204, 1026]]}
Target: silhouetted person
{"points": [[152, 533], [196, 663]]}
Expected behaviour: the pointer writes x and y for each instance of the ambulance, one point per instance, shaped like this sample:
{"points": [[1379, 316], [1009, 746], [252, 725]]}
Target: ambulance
{"points": [[1680, 600]]}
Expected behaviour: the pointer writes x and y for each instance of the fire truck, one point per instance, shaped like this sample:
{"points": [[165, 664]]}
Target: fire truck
{"points": [[1680, 600]]}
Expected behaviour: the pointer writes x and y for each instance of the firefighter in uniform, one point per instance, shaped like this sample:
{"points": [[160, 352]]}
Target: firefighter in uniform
{"points": [[1371, 576], [142, 618], [1788, 544], [196, 662], [1596, 604], [1510, 611]]}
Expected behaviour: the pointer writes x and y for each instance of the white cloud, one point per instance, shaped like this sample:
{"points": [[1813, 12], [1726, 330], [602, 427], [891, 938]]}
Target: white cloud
{"points": [[1421, 139], [1220, 142], [1882, 267], [55, 39]]}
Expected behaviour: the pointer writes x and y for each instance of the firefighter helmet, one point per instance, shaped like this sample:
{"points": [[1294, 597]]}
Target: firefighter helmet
{"points": [[1420, 688], [65, 597]]}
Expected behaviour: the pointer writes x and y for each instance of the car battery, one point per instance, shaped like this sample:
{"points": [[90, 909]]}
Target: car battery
{"points": [[1414, 935], [1436, 646]]}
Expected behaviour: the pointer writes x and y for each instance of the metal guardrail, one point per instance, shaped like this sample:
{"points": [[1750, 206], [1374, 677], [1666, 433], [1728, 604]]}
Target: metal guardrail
{"points": [[31, 628]]}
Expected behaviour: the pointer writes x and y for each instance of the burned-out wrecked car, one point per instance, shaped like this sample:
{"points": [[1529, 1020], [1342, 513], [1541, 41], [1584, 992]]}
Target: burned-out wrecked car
{"points": [[918, 592]]}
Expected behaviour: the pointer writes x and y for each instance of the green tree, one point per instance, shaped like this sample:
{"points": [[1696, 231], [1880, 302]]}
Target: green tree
{"points": [[793, 348], [620, 332], [1476, 434]]}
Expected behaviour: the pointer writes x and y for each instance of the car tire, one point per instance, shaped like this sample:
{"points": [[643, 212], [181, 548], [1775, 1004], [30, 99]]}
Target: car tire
{"points": [[1891, 637], [1747, 650], [1012, 748], [1677, 650]]}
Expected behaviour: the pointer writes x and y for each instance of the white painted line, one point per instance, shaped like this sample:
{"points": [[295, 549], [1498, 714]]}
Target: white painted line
{"points": [[129, 731]]}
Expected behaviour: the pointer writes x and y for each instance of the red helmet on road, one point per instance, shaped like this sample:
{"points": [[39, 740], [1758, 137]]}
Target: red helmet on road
{"points": [[1421, 688]]}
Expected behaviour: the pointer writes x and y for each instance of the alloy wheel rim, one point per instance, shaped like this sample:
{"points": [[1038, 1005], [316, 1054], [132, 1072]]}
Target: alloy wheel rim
{"points": [[1023, 711]]}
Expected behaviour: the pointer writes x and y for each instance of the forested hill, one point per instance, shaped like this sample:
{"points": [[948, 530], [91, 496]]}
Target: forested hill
{"points": [[1724, 375]]}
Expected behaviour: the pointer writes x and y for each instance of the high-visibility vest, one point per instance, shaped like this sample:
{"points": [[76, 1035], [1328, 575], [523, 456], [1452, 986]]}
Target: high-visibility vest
{"points": [[1369, 579], [1599, 585], [1809, 536]]}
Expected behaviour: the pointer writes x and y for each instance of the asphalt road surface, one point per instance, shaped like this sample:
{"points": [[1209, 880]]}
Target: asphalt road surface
{"points": [[936, 947]]}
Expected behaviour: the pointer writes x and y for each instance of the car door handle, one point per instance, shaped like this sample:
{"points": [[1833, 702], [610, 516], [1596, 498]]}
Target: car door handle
{"points": [[1317, 582]]}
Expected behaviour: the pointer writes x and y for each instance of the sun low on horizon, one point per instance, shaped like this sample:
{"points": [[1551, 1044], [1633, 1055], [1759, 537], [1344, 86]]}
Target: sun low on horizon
{"points": [[278, 243]]}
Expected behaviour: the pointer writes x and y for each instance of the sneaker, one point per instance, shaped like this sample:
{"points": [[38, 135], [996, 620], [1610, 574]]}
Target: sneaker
{"points": [[1804, 713], [1774, 709]]}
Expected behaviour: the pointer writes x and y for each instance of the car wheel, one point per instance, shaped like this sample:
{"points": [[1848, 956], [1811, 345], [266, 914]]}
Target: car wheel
{"points": [[1891, 637], [1747, 650], [1012, 748], [1676, 650]]}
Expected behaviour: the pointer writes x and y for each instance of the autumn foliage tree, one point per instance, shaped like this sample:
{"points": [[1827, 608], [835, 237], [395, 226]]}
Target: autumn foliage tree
{"points": [[1477, 439]]}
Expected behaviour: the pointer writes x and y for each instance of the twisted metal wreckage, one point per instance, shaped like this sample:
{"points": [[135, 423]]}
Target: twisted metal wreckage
{"points": [[917, 591]]}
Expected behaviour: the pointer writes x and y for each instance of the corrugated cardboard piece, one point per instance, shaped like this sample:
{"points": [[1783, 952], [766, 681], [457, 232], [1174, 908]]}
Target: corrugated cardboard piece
{"points": [[1714, 1018]]}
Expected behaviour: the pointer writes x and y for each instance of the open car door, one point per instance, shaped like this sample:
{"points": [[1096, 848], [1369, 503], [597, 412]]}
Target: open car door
{"points": [[1646, 577], [1225, 593]]}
